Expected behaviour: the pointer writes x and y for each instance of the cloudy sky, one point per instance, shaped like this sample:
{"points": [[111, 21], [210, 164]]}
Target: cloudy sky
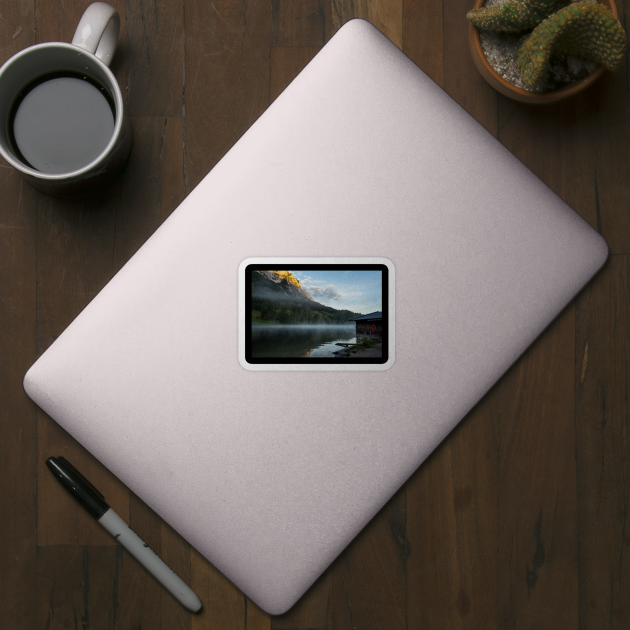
{"points": [[358, 291]]}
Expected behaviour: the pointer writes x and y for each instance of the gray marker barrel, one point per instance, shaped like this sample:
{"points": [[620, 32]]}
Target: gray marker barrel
{"points": [[149, 559]]}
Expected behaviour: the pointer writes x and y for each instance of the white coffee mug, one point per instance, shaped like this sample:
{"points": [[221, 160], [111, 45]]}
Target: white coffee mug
{"points": [[104, 142]]}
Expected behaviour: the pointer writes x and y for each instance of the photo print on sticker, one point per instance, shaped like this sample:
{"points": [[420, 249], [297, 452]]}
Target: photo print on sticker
{"points": [[316, 314]]}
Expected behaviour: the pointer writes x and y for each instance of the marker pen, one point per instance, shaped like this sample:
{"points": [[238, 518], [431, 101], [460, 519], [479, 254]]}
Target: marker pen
{"points": [[94, 502]]}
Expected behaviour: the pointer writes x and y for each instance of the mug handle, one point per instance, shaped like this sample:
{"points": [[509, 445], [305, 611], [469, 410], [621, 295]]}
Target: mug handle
{"points": [[98, 30]]}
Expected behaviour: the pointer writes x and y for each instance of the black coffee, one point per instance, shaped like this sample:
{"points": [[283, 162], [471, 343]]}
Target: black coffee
{"points": [[61, 123]]}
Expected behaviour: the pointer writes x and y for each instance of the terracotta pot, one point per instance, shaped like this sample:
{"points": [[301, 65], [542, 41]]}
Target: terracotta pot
{"points": [[518, 94]]}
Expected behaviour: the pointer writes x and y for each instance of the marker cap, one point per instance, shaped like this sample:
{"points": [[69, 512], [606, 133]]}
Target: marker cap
{"points": [[78, 486]]}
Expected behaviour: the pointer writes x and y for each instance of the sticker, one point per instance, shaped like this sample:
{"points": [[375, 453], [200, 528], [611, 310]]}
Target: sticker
{"points": [[316, 314]]}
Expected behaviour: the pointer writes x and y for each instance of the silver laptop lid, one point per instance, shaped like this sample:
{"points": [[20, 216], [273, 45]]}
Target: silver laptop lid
{"points": [[271, 472]]}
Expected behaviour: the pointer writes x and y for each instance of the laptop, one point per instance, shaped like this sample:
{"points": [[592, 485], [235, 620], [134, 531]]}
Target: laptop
{"points": [[316, 316]]}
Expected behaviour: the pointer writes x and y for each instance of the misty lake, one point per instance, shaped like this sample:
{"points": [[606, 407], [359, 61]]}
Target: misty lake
{"points": [[301, 340]]}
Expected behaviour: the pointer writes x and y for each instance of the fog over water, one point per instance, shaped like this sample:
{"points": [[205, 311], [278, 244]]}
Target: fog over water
{"points": [[300, 340]]}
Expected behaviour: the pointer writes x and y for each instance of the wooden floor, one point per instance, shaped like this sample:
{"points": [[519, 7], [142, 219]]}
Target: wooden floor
{"points": [[518, 520]]}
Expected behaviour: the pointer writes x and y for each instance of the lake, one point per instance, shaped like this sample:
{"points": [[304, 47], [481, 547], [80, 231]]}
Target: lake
{"points": [[300, 340]]}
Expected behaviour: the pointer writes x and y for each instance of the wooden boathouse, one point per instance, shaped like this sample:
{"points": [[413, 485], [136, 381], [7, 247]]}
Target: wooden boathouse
{"points": [[370, 325]]}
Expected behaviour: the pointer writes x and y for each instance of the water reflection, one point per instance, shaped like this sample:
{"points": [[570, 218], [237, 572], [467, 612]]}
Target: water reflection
{"points": [[300, 340]]}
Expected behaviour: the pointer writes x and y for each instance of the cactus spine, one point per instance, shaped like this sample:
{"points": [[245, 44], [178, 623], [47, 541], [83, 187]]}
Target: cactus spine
{"points": [[583, 29], [513, 16]]}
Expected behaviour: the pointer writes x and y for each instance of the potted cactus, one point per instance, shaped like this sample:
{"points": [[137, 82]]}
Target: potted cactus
{"points": [[558, 49]]}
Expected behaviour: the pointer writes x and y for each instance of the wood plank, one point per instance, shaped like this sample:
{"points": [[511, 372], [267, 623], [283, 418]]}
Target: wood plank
{"points": [[17, 28], [74, 248], [558, 147], [255, 617], [369, 577], [76, 587], [226, 78], [452, 526], [18, 415], [171, 158], [18, 421], [537, 537], [142, 600], [61, 520], [386, 15], [224, 606], [55, 23], [300, 22], [152, 185], [461, 78], [285, 64], [575, 147], [176, 552], [423, 36], [608, 127], [154, 57], [603, 469], [313, 610]]}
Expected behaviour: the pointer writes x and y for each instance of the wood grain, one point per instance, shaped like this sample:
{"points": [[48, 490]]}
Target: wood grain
{"points": [[574, 149], [17, 28], [461, 79], [57, 22], [224, 606], [226, 78], [313, 609], [285, 64], [154, 57], [422, 36], [609, 134], [300, 22], [18, 416], [369, 577], [61, 521], [151, 187], [146, 602], [386, 15], [537, 534], [452, 515], [602, 380], [76, 587], [559, 148]]}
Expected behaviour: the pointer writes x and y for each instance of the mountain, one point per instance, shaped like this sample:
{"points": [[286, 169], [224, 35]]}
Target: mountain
{"points": [[277, 285], [278, 296]]}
